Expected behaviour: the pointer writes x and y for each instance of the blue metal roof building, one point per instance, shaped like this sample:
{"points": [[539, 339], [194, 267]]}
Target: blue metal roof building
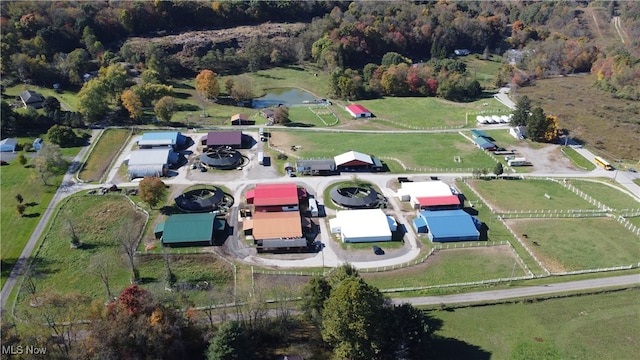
{"points": [[161, 139], [450, 225]]}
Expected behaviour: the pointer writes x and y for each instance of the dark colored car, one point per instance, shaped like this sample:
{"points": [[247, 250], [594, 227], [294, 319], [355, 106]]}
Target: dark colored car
{"points": [[631, 170], [377, 250]]}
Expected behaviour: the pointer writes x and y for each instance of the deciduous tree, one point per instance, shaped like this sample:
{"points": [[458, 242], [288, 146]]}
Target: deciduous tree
{"points": [[92, 100], [207, 84], [242, 88], [62, 135], [22, 160], [281, 115], [314, 294], [48, 162], [165, 108], [498, 169], [353, 320], [151, 190], [131, 102]]}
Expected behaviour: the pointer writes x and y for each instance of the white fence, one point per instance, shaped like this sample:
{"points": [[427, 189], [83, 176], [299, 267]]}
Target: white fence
{"points": [[581, 193], [524, 246], [627, 224]]}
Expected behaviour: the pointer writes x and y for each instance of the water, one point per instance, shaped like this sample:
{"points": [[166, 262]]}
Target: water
{"points": [[285, 96]]}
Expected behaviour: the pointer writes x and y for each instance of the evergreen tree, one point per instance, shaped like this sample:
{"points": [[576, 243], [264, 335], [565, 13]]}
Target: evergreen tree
{"points": [[522, 111]]}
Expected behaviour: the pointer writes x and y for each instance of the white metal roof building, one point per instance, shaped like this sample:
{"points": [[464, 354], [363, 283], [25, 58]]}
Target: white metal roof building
{"points": [[412, 190], [353, 158], [150, 162], [368, 225]]}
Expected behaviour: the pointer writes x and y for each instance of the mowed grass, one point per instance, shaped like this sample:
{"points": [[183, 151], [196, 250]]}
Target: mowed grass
{"points": [[510, 195], [577, 159], [430, 112], [104, 152], [15, 229], [610, 196], [416, 151], [451, 266], [579, 244], [602, 326]]}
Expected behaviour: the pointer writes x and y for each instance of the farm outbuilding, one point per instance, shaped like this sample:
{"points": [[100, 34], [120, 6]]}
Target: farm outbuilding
{"points": [[173, 139], [316, 166], [448, 225], [190, 229], [275, 197], [8, 145], [358, 111], [429, 194], [484, 144], [232, 139], [241, 119], [150, 162], [37, 144], [353, 160], [367, 225], [276, 230]]}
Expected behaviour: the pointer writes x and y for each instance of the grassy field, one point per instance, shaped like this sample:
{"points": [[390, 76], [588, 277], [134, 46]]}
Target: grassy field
{"points": [[429, 112], [579, 244], [603, 326], [451, 266], [15, 230], [608, 125], [607, 195], [510, 195], [104, 152], [437, 150], [67, 99], [59, 268], [577, 159]]}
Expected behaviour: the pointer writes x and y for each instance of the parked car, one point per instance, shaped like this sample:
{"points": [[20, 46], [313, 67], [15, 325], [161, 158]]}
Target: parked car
{"points": [[632, 170], [377, 250]]}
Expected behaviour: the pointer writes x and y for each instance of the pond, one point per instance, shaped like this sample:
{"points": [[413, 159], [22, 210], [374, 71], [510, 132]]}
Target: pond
{"points": [[286, 96]]}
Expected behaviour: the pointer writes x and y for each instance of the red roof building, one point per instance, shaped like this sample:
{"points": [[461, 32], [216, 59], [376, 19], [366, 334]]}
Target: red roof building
{"points": [[274, 197], [358, 111], [439, 202]]}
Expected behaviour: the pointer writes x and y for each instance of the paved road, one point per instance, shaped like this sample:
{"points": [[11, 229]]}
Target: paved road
{"points": [[67, 187], [525, 291]]}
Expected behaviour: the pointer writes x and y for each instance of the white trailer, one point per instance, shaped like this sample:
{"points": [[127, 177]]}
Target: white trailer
{"points": [[261, 158], [519, 161]]}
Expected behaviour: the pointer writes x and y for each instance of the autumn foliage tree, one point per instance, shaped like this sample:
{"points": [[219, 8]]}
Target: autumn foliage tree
{"points": [[138, 327], [207, 84], [131, 102], [151, 190]]}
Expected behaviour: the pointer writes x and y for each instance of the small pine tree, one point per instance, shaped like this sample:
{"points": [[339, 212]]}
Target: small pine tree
{"points": [[499, 169]]}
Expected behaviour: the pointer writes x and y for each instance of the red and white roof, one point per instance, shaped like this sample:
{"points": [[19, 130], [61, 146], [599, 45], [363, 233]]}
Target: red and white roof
{"points": [[357, 110], [353, 158], [438, 200]]}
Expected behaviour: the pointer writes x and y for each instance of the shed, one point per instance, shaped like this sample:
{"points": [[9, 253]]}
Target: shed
{"points": [[358, 111], [268, 113], [450, 225], [518, 132], [449, 202], [484, 144], [241, 119], [32, 98], [188, 229], [313, 207], [8, 145], [367, 225], [475, 133], [223, 138], [37, 144], [316, 166]]}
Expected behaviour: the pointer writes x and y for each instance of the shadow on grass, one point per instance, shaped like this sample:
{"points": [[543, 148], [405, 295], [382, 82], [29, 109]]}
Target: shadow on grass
{"points": [[269, 76], [298, 124], [450, 348], [32, 215]]}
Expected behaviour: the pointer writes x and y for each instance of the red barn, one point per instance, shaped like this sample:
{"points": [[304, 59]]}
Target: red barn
{"points": [[275, 197]]}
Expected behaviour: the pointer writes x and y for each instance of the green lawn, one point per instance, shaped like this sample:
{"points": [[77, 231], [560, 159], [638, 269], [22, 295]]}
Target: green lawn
{"points": [[451, 266], [606, 194], [97, 220], [422, 152], [104, 152], [603, 326], [510, 195], [67, 97], [579, 244], [430, 112], [577, 159], [16, 230]]}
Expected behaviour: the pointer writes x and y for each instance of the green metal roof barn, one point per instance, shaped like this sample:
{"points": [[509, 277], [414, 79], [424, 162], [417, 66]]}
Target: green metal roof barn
{"points": [[189, 229]]}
